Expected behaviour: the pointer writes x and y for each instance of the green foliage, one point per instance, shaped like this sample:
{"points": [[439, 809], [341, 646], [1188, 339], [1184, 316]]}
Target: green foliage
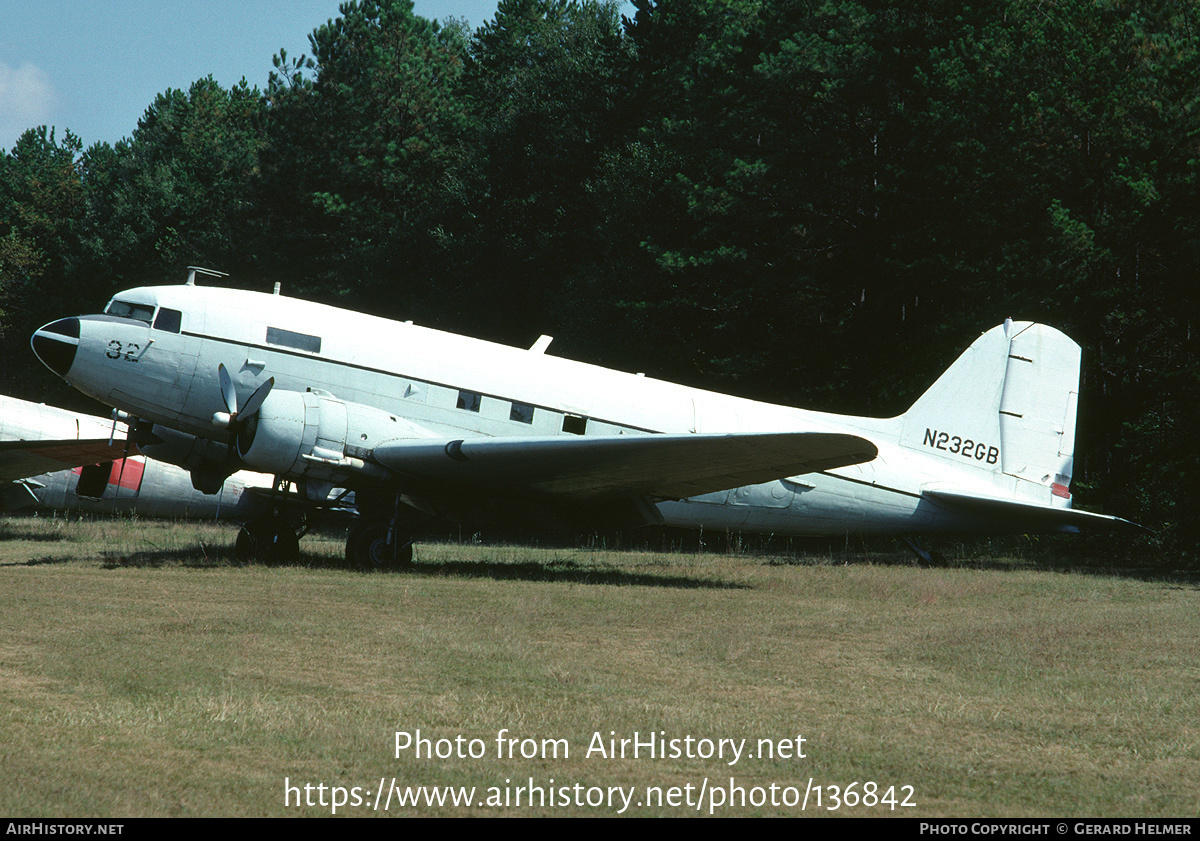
{"points": [[544, 82], [42, 209], [360, 149], [180, 190], [41, 203]]}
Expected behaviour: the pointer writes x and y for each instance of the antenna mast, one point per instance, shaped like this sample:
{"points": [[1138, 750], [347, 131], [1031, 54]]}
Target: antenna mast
{"points": [[193, 270]]}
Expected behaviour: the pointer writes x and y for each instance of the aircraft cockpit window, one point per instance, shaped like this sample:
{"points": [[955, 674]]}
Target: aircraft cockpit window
{"points": [[468, 400], [298, 341], [125, 309], [168, 320], [574, 424]]}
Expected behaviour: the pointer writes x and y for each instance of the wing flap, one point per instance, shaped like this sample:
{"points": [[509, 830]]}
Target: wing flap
{"points": [[657, 467], [21, 459], [1042, 517]]}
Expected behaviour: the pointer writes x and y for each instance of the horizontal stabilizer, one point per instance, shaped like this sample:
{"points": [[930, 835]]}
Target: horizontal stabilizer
{"points": [[657, 467], [1029, 515], [17, 495], [21, 459]]}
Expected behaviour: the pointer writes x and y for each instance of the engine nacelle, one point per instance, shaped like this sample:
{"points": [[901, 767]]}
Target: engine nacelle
{"points": [[315, 435], [208, 461]]}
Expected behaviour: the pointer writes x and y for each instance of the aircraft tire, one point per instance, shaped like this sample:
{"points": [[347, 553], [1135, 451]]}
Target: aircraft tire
{"points": [[267, 540], [367, 548], [283, 546], [245, 548]]}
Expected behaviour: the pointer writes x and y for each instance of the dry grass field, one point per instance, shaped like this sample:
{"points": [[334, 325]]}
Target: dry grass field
{"points": [[142, 674]]}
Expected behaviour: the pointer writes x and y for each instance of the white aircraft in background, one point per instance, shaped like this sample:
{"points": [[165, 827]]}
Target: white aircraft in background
{"points": [[54, 459], [421, 422]]}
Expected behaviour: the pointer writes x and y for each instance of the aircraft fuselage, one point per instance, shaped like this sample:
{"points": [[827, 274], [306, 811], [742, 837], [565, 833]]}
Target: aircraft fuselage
{"points": [[129, 484], [156, 354]]}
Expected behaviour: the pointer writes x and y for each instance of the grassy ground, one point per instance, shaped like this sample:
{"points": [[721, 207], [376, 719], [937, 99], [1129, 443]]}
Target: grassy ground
{"points": [[141, 673]]}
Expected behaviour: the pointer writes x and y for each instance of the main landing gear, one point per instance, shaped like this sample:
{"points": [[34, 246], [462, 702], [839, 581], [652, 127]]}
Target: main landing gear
{"points": [[376, 544], [269, 539], [272, 536], [382, 537]]}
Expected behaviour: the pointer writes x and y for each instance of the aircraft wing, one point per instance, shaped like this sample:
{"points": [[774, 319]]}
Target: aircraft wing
{"points": [[655, 467], [22, 459], [1038, 516]]}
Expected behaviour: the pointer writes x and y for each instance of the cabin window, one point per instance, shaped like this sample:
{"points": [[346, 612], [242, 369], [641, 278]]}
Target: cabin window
{"points": [[168, 320], [125, 309], [574, 424], [521, 412], [297, 341], [469, 400]]}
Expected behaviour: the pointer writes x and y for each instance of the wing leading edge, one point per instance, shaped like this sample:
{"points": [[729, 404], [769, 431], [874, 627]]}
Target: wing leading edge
{"points": [[654, 467]]}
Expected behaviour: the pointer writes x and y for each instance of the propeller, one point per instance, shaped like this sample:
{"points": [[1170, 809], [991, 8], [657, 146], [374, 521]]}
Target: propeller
{"points": [[238, 420], [229, 418]]}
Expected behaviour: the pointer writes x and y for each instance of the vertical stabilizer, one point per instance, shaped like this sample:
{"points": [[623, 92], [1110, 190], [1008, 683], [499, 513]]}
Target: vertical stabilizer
{"points": [[1006, 407], [1037, 411]]}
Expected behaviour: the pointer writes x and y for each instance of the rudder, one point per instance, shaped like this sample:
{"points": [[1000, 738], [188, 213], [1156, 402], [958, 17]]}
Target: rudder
{"points": [[1006, 406]]}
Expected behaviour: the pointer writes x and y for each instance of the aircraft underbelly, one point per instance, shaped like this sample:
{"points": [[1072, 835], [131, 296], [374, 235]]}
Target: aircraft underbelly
{"points": [[704, 512], [852, 499]]}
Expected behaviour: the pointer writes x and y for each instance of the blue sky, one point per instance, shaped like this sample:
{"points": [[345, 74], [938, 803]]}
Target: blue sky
{"points": [[94, 68]]}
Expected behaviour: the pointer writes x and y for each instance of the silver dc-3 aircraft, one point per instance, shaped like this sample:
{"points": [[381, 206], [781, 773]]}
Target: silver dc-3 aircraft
{"points": [[421, 422], [54, 459]]}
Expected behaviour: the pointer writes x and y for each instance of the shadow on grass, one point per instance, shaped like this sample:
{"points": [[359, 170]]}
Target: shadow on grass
{"points": [[1008, 559], [561, 571], [999, 556], [9, 532], [1174, 574], [189, 557], [550, 571], [16, 532], [37, 562]]}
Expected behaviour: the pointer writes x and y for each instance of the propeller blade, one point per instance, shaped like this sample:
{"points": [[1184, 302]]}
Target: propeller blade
{"points": [[228, 392], [256, 399]]}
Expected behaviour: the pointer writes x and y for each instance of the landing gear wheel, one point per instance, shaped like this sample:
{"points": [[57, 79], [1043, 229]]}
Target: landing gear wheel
{"points": [[367, 548], [926, 557], [267, 540], [245, 549]]}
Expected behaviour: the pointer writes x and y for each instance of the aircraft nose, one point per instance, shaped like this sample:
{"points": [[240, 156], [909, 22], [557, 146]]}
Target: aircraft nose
{"points": [[56, 343]]}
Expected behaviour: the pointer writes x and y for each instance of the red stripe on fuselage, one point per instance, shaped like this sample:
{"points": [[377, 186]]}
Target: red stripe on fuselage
{"points": [[127, 473]]}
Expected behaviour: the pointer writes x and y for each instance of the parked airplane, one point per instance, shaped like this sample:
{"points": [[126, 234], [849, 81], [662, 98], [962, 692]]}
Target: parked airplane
{"points": [[51, 458], [422, 422]]}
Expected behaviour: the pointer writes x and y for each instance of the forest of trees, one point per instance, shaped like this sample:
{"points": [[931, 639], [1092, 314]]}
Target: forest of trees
{"points": [[812, 202]]}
